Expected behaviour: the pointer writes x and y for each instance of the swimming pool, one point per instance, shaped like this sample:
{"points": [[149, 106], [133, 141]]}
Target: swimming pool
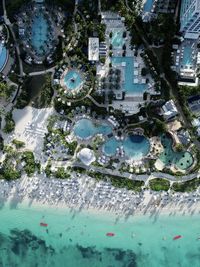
{"points": [[129, 86], [183, 160], [110, 147], [135, 147], [3, 56], [148, 5], [40, 33], [187, 56], [73, 80], [85, 128], [117, 39]]}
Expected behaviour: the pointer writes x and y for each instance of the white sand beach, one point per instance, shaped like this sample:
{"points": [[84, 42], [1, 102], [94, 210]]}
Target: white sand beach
{"points": [[30, 127], [84, 193]]}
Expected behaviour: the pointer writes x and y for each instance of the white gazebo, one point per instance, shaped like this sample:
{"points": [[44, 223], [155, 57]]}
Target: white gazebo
{"points": [[86, 155]]}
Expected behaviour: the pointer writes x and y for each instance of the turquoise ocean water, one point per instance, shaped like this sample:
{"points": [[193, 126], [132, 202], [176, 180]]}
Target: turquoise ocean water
{"points": [[79, 239]]}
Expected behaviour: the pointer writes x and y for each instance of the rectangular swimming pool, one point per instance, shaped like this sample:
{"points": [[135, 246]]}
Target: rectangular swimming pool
{"points": [[187, 56], [129, 86], [148, 5]]}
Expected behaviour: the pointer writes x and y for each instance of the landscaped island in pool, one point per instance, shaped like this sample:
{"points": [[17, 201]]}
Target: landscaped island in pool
{"points": [[85, 128], [183, 160], [135, 147], [3, 56]]}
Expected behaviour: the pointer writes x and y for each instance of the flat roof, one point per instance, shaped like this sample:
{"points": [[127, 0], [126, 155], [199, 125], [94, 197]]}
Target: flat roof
{"points": [[93, 49], [191, 35]]}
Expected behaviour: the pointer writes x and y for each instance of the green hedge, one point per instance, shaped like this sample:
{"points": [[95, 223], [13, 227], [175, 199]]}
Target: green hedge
{"points": [[159, 184], [61, 173], [187, 186]]}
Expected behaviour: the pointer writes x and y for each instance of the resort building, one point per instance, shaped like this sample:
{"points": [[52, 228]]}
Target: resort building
{"points": [[93, 49], [153, 7], [194, 104], [185, 57], [190, 16], [164, 6], [184, 137], [169, 110], [196, 123]]}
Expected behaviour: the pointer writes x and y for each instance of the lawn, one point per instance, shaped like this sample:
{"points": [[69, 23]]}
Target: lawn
{"points": [[159, 184]]}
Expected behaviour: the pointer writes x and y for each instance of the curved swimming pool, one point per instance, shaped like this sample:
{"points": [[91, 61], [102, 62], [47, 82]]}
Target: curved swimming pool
{"points": [[110, 147], [85, 128], [3, 56], [73, 80], [183, 160], [135, 147]]}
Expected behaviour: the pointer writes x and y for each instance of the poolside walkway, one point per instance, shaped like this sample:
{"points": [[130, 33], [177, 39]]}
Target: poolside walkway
{"points": [[35, 73], [139, 177]]}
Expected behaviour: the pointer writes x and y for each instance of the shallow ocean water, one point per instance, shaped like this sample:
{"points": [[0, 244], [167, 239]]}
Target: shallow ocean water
{"points": [[79, 239]]}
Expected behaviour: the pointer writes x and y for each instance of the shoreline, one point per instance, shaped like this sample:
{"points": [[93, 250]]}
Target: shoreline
{"points": [[85, 195]]}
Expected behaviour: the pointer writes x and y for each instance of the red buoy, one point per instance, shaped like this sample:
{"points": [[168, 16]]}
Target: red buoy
{"points": [[110, 234], [177, 237], [43, 224]]}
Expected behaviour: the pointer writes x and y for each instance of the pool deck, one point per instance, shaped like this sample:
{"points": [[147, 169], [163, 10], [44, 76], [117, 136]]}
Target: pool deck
{"points": [[30, 40], [133, 96], [62, 81]]}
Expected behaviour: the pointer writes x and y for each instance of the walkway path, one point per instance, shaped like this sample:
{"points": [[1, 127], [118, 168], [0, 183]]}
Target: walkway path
{"points": [[35, 73], [139, 177], [96, 103], [99, 7]]}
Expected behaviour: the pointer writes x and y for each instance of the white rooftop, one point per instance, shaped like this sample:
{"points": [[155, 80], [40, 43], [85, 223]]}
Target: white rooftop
{"points": [[87, 156], [191, 35], [169, 109], [93, 49], [196, 122]]}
